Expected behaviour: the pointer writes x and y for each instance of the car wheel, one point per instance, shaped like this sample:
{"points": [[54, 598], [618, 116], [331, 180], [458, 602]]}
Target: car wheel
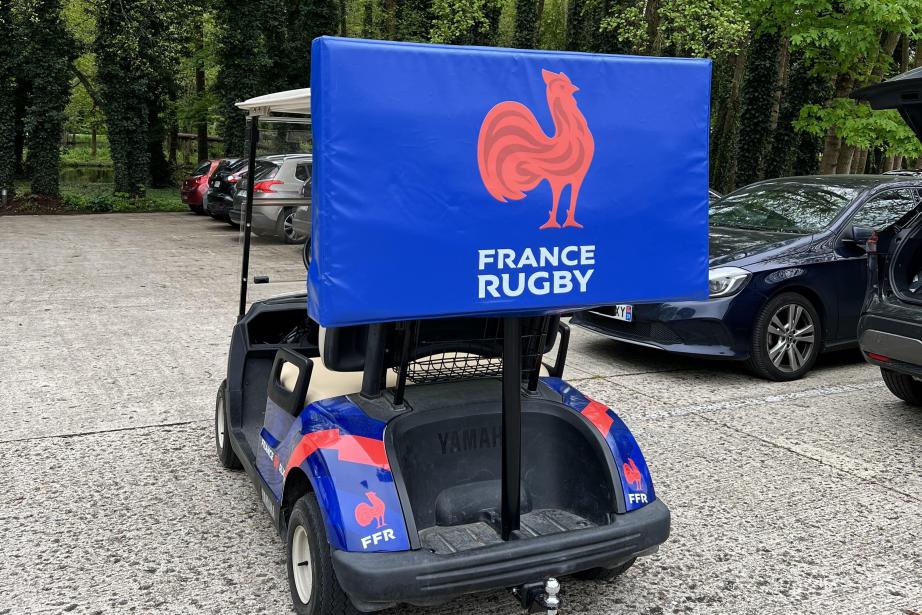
{"points": [[786, 338], [905, 387], [306, 254], [604, 574], [313, 584], [197, 209], [221, 428], [284, 226]]}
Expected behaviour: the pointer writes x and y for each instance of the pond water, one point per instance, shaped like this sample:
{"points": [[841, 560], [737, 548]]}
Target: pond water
{"points": [[86, 175]]}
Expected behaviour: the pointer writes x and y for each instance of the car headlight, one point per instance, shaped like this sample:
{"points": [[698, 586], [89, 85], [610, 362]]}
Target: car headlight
{"points": [[726, 281]]}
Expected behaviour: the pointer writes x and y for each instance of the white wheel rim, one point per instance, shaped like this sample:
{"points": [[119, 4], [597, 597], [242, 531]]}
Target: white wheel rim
{"points": [[219, 427], [301, 564]]}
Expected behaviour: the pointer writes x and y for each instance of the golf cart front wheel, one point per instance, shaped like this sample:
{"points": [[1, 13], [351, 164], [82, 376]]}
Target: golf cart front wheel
{"points": [[313, 584], [226, 453], [604, 574]]}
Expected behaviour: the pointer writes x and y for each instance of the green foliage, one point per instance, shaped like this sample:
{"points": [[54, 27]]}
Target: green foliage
{"points": [[465, 22], [47, 58], [8, 68], [526, 24], [755, 114], [553, 30], [861, 127]]}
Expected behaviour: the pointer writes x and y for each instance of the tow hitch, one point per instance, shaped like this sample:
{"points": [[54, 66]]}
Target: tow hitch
{"points": [[539, 597]]}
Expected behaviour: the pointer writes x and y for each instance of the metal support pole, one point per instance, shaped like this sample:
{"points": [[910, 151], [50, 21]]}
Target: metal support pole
{"points": [[248, 215], [374, 361], [512, 426]]}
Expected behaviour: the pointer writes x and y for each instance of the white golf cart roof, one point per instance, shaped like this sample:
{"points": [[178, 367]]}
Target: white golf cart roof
{"points": [[294, 102]]}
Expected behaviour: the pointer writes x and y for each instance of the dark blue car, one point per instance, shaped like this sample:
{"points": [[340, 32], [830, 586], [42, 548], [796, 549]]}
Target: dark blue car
{"points": [[788, 274]]}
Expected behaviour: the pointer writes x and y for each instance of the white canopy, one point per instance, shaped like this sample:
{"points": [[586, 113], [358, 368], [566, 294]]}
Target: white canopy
{"points": [[291, 101]]}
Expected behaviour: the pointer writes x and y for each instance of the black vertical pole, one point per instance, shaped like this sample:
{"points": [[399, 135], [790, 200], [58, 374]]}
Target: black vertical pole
{"points": [[512, 426], [374, 361], [248, 216]]}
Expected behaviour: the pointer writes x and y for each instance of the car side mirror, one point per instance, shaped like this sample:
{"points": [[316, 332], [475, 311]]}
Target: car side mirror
{"points": [[858, 236]]}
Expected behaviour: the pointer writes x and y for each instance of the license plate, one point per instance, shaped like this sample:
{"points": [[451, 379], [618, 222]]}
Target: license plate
{"points": [[217, 184], [624, 312]]}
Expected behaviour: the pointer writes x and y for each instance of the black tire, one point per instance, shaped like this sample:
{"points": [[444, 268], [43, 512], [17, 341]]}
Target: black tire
{"points": [[905, 387], [198, 210], [284, 229], [326, 596], [306, 254], [794, 364], [226, 454], [604, 574]]}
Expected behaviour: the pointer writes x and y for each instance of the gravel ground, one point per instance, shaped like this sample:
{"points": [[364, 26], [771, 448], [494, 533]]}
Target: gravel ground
{"points": [[802, 497]]}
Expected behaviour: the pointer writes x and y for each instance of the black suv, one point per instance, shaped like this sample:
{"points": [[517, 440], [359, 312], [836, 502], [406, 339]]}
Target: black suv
{"points": [[890, 327]]}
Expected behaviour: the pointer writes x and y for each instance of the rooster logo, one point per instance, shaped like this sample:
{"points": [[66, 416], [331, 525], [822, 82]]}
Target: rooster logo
{"points": [[514, 154], [632, 474], [372, 511]]}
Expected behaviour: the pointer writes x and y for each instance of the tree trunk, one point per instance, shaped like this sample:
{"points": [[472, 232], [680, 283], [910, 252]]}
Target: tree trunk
{"points": [[844, 164], [782, 83], [897, 163], [343, 23], [201, 124], [833, 142], [727, 127], [887, 164], [93, 140], [654, 38]]}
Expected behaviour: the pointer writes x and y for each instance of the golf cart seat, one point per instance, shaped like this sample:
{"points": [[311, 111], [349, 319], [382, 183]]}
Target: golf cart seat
{"points": [[326, 383]]}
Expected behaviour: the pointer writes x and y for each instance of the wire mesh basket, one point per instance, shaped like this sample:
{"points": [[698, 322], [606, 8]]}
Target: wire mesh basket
{"points": [[473, 356]]}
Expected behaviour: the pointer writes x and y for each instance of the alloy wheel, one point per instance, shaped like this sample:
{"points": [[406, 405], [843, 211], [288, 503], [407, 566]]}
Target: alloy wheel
{"points": [[288, 227], [791, 337], [219, 427]]}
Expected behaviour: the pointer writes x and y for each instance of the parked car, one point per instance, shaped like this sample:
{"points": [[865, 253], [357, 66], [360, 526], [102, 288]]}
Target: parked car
{"points": [[788, 274], [890, 327], [276, 197], [193, 189], [221, 188], [302, 223]]}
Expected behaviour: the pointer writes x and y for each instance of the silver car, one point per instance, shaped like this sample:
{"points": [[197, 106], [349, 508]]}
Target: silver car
{"points": [[276, 197]]}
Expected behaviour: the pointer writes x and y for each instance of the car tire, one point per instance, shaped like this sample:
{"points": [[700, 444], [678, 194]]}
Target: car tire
{"points": [[905, 387], [306, 254], [198, 210], [226, 454], [782, 350], [604, 574], [284, 226], [311, 579]]}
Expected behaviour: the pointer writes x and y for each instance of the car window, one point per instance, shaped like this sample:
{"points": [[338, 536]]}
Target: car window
{"points": [[786, 206], [302, 173], [884, 210], [202, 168]]}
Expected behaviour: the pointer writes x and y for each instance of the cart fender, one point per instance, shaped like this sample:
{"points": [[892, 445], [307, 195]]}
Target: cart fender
{"points": [[341, 450], [632, 467]]}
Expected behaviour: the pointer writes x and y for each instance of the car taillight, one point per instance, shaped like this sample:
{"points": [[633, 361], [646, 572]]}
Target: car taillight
{"points": [[233, 179], [266, 186], [878, 357], [871, 245]]}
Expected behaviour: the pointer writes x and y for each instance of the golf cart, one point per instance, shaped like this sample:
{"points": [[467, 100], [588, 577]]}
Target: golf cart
{"points": [[411, 440]]}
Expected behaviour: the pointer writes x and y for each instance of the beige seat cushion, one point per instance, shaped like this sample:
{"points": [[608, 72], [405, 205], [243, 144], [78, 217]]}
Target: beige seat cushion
{"points": [[325, 383]]}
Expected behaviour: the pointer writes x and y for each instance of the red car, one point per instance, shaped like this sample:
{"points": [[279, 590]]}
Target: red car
{"points": [[195, 186]]}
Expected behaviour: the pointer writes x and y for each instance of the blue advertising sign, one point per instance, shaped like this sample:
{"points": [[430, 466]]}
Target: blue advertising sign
{"points": [[453, 181]]}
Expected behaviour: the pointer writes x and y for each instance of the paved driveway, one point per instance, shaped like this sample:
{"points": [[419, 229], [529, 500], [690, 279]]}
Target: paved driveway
{"points": [[802, 497]]}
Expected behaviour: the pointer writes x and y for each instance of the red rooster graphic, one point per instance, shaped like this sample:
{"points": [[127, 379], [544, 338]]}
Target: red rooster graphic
{"points": [[366, 513], [515, 155], [632, 474]]}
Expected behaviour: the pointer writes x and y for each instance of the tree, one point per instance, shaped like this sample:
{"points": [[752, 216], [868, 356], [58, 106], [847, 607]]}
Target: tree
{"points": [[754, 142], [47, 57], [526, 24], [465, 22], [8, 66], [137, 47]]}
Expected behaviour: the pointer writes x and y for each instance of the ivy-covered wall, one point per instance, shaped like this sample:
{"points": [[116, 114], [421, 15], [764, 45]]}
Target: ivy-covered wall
{"points": [[7, 98]]}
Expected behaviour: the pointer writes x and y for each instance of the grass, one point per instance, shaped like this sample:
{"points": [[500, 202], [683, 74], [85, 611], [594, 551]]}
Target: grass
{"points": [[86, 198]]}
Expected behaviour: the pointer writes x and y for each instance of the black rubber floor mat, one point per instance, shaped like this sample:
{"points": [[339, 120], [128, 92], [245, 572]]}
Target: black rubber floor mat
{"points": [[452, 539]]}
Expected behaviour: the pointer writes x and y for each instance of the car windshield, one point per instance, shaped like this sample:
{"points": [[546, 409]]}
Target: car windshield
{"points": [[789, 207]]}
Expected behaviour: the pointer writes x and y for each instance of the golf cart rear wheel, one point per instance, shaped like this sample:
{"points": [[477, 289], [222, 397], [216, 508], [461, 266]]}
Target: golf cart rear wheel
{"points": [[313, 584], [604, 574], [786, 338], [221, 431], [905, 387]]}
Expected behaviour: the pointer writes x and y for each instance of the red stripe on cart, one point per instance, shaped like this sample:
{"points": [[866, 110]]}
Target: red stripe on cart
{"points": [[354, 449], [598, 414]]}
